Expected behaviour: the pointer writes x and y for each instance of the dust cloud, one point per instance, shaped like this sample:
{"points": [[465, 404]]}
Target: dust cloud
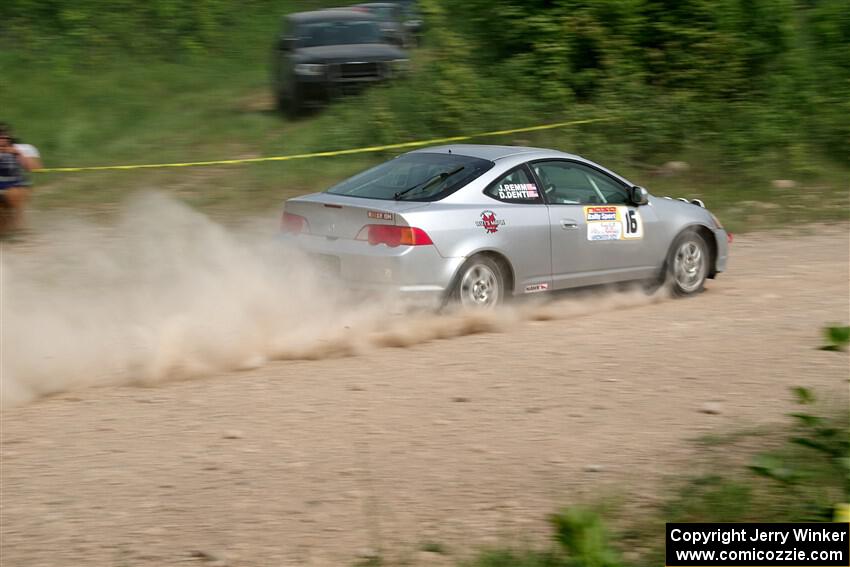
{"points": [[165, 293]]}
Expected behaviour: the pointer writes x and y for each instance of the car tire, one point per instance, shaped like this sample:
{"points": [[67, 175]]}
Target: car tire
{"points": [[281, 102], [290, 107], [293, 109], [288, 102], [480, 284], [687, 264]]}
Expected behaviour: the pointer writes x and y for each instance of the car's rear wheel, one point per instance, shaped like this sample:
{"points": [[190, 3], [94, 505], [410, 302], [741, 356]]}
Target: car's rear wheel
{"points": [[687, 264], [480, 283]]}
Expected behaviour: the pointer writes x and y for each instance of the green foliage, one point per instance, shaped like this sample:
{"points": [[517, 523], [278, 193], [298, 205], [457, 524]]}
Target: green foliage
{"points": [[750, 76], [433, 547], [816, 464], [584, 539], [755, 81], [91, 32], [837, 338], [94, 27], [712, 498], [756, 78]]}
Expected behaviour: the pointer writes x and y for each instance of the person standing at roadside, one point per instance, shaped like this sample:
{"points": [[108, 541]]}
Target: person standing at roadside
{"points": [[28, 155], [16, 160]]}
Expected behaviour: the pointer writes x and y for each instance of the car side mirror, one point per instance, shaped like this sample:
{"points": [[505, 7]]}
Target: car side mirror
{"points": [[286, 43], [639, 195]]}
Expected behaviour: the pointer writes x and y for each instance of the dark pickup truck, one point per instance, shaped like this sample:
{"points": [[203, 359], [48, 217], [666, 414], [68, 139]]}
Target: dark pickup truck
{"points": [[329, 52]]}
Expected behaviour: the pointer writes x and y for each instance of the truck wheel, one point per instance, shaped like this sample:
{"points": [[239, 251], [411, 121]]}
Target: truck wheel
{"points": [[281, 102], [293, 106]]}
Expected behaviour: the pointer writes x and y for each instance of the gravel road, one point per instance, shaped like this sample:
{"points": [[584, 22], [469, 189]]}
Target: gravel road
{"points": [[462, 442]]}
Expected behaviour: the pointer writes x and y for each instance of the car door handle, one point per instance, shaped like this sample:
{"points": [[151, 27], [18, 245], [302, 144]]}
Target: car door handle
{"points": [[569, 224]]}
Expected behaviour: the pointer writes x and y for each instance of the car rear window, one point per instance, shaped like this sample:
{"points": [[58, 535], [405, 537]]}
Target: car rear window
{"points": [[419, 176]]}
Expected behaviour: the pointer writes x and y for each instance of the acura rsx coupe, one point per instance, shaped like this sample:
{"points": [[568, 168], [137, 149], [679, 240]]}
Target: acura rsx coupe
{"points": [[477, 224]]}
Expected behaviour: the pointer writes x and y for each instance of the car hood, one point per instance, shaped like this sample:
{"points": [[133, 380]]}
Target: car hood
{"points": [[360, 52]]}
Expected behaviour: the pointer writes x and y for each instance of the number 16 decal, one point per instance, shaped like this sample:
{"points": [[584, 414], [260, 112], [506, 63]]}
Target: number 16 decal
{"points": [[632, 225]]}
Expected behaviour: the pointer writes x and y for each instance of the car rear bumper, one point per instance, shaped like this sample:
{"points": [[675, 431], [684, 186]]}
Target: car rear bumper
{"points": [[412, 271]]}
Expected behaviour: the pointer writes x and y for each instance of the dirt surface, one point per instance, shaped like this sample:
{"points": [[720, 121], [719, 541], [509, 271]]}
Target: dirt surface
{"points": [[456, 443]]}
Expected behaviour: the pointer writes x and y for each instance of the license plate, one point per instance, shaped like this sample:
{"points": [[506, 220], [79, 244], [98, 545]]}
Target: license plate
{"points": [[327, 264]]}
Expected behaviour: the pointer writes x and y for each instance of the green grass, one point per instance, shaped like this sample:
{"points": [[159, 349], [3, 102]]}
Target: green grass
{"points": [[433, 547], [219, 106]]}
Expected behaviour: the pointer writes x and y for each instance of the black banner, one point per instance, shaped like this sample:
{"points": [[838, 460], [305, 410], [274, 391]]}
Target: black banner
{"points": [[758, 545]]}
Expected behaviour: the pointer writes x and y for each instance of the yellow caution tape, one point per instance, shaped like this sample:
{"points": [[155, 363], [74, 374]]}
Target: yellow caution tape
{"points": [[369, 149]]}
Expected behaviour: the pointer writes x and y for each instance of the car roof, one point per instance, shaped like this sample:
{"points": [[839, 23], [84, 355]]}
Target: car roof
{"points": [[335, 14], [492, 153]]}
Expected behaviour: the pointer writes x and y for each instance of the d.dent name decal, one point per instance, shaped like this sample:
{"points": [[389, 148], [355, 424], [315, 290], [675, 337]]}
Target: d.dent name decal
{"points": [[518, 191]]}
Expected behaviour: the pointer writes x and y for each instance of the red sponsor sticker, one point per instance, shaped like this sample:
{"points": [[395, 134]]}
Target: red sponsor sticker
{"points": [[489, 221], [594, 214]]}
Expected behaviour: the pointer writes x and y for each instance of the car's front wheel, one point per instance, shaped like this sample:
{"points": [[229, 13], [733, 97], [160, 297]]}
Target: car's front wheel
{"points": [[687, 264], [292, 107], [281, 102], [480, 283]]}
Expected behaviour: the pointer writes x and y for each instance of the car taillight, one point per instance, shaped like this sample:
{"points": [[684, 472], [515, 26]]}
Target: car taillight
{"points": [[294, 224], [394, 235]]}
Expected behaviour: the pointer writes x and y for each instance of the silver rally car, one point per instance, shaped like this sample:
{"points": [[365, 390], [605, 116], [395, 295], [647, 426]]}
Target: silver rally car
{"points": [[477, 223]]}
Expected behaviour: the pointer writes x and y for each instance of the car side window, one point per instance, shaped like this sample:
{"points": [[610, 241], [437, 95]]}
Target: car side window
{"points": [[517, 186], [570, 183]]}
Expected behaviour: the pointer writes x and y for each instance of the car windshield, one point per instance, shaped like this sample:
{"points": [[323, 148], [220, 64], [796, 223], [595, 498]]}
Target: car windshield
{"points": [[345, 32], [418, 176], [383, 12], [409, 8]]}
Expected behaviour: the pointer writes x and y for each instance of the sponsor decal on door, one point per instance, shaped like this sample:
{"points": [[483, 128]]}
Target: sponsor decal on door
{"points": [[489, 221], [609, 222]]}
